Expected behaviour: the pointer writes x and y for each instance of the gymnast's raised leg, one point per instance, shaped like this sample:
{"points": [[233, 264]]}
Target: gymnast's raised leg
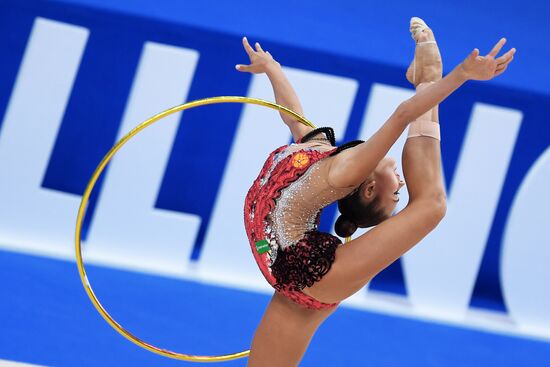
{"points": [[360, 260]]}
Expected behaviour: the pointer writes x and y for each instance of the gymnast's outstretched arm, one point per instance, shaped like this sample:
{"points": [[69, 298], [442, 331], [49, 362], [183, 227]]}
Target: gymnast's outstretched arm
{"points": [[352, 166], [262, 62]]}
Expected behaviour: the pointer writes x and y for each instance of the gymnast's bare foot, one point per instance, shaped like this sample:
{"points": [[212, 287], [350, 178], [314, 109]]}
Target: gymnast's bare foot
{"points": [[426, 65]]}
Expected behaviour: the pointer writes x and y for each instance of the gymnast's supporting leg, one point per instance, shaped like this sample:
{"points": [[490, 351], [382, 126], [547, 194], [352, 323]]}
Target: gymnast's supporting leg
{"points": [[284, 333]]}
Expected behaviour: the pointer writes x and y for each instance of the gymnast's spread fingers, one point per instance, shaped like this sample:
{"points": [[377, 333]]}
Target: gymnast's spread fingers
{"points": [[502, 67], [505, 63], [500, 71], [497, 47], [258, 47], [507, 56], [249, 50]]}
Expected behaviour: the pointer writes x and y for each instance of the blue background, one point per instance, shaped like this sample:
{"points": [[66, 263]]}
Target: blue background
{"points": [[366, 41]]}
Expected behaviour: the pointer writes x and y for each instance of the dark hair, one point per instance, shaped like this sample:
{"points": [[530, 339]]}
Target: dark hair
{"points": [[356, 213], [349, 144], [329, 133]]}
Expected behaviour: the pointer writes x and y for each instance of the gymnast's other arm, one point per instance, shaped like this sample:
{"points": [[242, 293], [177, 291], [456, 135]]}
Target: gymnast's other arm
{"points": [[262, 62], [352, 166]]}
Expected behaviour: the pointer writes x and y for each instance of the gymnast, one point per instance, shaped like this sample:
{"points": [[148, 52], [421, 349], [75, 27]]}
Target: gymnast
{"points": [[312, 271]]}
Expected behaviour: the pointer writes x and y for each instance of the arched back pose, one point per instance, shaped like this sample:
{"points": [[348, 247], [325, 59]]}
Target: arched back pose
{"points": [[311, 271]]}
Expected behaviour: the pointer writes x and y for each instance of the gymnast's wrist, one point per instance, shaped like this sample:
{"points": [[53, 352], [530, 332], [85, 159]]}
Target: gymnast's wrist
{"points": [[462, 72], [273, 67]]}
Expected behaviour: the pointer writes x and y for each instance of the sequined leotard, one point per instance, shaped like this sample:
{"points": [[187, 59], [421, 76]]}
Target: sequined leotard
{"points": [[282, 212]]}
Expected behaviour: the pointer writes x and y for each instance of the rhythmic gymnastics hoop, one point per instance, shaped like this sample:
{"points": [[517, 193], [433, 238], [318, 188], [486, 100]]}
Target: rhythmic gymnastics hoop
{"points": [[86, 196]]}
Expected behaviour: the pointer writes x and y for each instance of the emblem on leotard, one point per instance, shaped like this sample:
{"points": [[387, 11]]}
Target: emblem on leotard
{"points": [[262, 246], [300, 160]]}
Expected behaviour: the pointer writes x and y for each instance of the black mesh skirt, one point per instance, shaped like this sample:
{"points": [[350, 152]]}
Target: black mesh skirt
{"points": [[306, 262]]}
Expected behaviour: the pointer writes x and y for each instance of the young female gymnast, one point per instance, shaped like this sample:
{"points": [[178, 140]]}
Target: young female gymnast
{"points": [[311, 271]]}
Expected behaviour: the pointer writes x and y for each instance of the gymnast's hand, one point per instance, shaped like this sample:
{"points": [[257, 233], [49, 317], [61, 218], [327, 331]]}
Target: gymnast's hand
{"points": [[487, 67], [260, 60]]}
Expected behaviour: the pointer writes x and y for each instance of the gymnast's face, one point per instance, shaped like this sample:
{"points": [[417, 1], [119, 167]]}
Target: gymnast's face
{"points": [[385, 183]]}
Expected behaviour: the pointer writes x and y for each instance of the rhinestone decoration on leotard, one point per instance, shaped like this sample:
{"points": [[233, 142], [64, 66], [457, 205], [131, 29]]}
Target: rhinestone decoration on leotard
{"points": [[306, 221]]}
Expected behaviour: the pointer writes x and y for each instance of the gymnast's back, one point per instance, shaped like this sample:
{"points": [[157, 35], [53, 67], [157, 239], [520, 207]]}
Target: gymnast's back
{"points": [[283, 207]]}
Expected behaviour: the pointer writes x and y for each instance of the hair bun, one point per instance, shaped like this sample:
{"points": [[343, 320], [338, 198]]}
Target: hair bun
{"points": [[344, 227]]}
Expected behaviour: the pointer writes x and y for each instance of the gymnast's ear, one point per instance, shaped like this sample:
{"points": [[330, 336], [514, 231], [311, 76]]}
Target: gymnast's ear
{"points": [[369, 191]]}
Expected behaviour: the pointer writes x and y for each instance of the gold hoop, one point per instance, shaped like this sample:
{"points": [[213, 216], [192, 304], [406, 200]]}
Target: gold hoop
{"points": [[86, 196]]}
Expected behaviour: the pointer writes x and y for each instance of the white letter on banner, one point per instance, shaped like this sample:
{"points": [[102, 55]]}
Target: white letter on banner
{"points": [[126, 229], [33, 218], [440, 272], [525, 256], [327, 101]]}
